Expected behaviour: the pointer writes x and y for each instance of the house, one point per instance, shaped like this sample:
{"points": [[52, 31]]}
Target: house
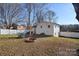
{"points": [[48, 28], [21, 27]]}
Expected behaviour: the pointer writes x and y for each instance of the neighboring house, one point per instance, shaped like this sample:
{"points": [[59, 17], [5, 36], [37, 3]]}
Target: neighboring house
{"points": [[48, 28], [21, 27]]}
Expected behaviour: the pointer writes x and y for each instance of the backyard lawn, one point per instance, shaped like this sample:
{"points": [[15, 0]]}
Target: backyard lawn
{"points": [[45, 46], [8, 36]]}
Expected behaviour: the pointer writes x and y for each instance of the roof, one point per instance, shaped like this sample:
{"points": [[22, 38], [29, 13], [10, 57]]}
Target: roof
{"points": [[47, 22], [21, 24]]}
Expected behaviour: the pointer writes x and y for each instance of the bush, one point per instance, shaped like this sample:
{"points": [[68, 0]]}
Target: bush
{"points": [[21, 35]]}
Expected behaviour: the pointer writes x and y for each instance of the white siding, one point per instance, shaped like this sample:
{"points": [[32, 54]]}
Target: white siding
{"points": [[44, 29], [56, 30], [48, 31]]}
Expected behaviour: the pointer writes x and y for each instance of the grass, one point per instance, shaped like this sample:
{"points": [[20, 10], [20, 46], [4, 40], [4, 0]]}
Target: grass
{"points": [[45, 46], [7, 36]]}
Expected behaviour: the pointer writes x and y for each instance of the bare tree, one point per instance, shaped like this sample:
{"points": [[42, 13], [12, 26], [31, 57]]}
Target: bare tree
{"points": [[8, 12], [34, 12], [38, 13], [50, 15]]}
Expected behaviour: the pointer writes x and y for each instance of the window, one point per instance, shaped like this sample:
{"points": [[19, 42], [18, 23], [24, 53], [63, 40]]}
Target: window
{"points": [[32, 32], [48, 26], [41, 26]]}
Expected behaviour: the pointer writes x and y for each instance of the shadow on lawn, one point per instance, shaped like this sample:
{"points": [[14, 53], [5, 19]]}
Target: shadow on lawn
{"points": [[34, 37], [41, 36], [8, 37], [19, 37]]}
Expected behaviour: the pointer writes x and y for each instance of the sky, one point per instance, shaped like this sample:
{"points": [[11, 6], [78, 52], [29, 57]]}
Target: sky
{"points": [[64, 12]]}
